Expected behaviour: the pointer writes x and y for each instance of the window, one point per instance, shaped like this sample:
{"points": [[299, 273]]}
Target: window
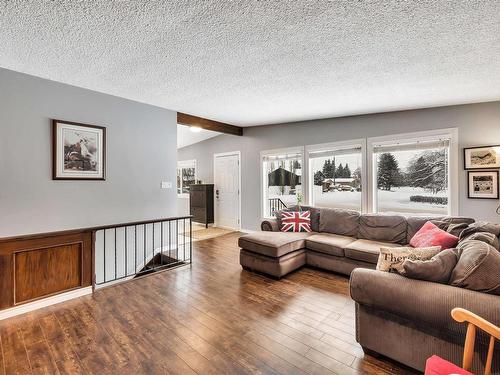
{"points": [[336, 175], [186, 176], [281, 179], [405, 174], [413, 175]]}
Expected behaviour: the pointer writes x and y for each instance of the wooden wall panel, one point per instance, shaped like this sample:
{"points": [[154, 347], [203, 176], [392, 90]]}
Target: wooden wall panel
{"points": [[44, 272], [36, 266]]}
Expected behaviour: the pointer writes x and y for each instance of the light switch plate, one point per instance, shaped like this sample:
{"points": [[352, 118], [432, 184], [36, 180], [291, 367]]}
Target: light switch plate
{"points": [[166, 185]]}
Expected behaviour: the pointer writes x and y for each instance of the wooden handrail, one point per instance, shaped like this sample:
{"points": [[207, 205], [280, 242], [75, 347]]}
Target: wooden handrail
{"points": [[89, 229]]}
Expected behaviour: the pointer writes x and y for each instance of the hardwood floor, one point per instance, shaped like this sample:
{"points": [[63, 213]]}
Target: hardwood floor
{"points": [[212, 318]]}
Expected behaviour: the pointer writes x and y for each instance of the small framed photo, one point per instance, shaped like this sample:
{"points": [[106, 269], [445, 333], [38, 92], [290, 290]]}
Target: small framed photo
{"points": [[483, 184], [78, 151], [486, 157]]}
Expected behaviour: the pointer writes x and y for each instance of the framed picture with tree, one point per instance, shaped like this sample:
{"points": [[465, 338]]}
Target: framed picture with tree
{"points": [[485, 157]]}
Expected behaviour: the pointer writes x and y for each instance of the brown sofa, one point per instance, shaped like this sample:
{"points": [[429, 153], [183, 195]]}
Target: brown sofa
{"points": [[341, 241], [409, 320], [404, 319]]}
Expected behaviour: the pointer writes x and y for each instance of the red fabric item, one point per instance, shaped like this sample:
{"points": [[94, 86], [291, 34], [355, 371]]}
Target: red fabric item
{"points": [[431, 235], [438, 366], [296, 221]]}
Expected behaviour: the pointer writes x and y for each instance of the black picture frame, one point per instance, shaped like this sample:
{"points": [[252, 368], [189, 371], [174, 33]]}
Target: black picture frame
{"points": [[468, 149], [58, 154], [497, 184]]}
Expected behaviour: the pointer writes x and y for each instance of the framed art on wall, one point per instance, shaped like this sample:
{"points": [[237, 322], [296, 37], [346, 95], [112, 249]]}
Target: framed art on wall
{"points": [[78, 151], [486, 157], [483, 184]]}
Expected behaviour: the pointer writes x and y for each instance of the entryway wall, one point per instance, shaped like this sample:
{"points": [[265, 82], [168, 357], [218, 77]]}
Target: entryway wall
{"points": [[478, 124]]}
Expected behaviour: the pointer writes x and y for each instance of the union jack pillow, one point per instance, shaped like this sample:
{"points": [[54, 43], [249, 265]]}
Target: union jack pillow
{"points": [[296, 221]]}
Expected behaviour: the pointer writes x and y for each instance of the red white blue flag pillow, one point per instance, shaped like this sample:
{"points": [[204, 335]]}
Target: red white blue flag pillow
{"points": [[296, 221]]}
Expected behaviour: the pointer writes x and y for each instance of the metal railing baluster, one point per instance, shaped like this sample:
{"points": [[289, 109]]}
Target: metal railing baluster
{"points": [[126, 252], [135, 249], [175, 228], [104, 259], [116, 262]]}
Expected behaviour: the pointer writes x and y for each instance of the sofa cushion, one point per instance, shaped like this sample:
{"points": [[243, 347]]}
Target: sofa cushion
{"points": [[431, 235], [273, 244], [366, 250], [386, 228], [329, 243], [296, 221], [437, 269], [313, 210], [477, 267], [487, 237], [391, 259], [339, 221], [276, 267], [443, 222]]}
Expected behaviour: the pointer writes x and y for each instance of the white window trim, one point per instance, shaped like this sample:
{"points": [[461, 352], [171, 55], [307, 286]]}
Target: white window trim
{"points": [[286, 150], [186, 164], [451, 133], [336, 146]]}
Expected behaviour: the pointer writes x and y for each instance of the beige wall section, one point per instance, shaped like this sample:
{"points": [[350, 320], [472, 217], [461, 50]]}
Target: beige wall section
{"points": [[141, 152], [478, 124]]}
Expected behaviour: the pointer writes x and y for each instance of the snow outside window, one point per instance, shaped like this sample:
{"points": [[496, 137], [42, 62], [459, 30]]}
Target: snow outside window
{"points": [[335, 177], [281, 180], [412, 177]]}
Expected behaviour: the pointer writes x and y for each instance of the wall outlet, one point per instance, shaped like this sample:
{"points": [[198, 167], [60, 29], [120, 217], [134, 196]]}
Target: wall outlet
{"points": [[166, 185]]}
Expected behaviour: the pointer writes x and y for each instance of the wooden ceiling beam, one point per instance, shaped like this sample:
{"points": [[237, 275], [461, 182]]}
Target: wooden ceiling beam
{"points": [[200, 122]]}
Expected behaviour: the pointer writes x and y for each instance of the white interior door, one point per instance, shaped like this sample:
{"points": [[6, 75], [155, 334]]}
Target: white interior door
{"points": [[227, 190]]}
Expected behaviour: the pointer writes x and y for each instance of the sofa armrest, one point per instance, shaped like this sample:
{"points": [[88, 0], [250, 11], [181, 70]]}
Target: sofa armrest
{"points": [[420, 301], [270, 225]]}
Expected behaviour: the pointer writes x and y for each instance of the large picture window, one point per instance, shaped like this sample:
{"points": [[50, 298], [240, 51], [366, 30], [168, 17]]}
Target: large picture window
{"points": [[282, 179], [412, 176], [186, 176], [336, 175], [406, 174]]}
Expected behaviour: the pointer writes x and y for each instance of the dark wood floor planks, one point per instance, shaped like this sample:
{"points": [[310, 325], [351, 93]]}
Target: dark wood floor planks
{"points": [[211, 318]]}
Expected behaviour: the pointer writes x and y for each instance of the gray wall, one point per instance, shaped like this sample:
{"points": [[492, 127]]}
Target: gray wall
{"points": [[479, 124], [141, 152]]}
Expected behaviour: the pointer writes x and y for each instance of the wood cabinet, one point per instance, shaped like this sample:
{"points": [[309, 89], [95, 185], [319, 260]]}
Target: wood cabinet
{"points": [[201, 203]]}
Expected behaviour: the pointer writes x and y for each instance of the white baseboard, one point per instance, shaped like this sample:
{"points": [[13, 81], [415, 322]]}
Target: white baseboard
{"points": [[248, 230], [35, 305]]}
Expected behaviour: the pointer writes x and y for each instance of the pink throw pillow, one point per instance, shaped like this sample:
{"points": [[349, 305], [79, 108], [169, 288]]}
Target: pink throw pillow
{"points": [[431, 235], [296, 221]]}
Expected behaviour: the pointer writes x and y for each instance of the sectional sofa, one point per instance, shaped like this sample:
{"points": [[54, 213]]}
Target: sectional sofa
{"points": [[404, 319], [340, 241]]}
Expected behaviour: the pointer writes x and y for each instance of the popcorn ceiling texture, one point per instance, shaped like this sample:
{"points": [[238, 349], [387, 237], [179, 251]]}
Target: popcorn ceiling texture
{"points": [[261, 62]]}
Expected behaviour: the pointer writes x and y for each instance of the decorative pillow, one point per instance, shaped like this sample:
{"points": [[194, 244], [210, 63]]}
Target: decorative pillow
{"points": [[392, 258], [437, 269], [279, 214], [296, 221], [477, 267], [315, 211], [481, 226], [431, 235], [487, 237]]}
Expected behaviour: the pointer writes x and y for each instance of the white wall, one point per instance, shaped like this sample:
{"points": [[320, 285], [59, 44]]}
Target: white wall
{"points": [[141, 152], [479, 124]]}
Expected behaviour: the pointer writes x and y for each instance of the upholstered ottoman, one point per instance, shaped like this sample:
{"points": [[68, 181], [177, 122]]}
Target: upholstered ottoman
{"points": [[273, 253]]}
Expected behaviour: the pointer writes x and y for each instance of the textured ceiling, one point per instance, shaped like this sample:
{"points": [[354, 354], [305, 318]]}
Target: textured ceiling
{"points": [[186, 137], [260, 62]]}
